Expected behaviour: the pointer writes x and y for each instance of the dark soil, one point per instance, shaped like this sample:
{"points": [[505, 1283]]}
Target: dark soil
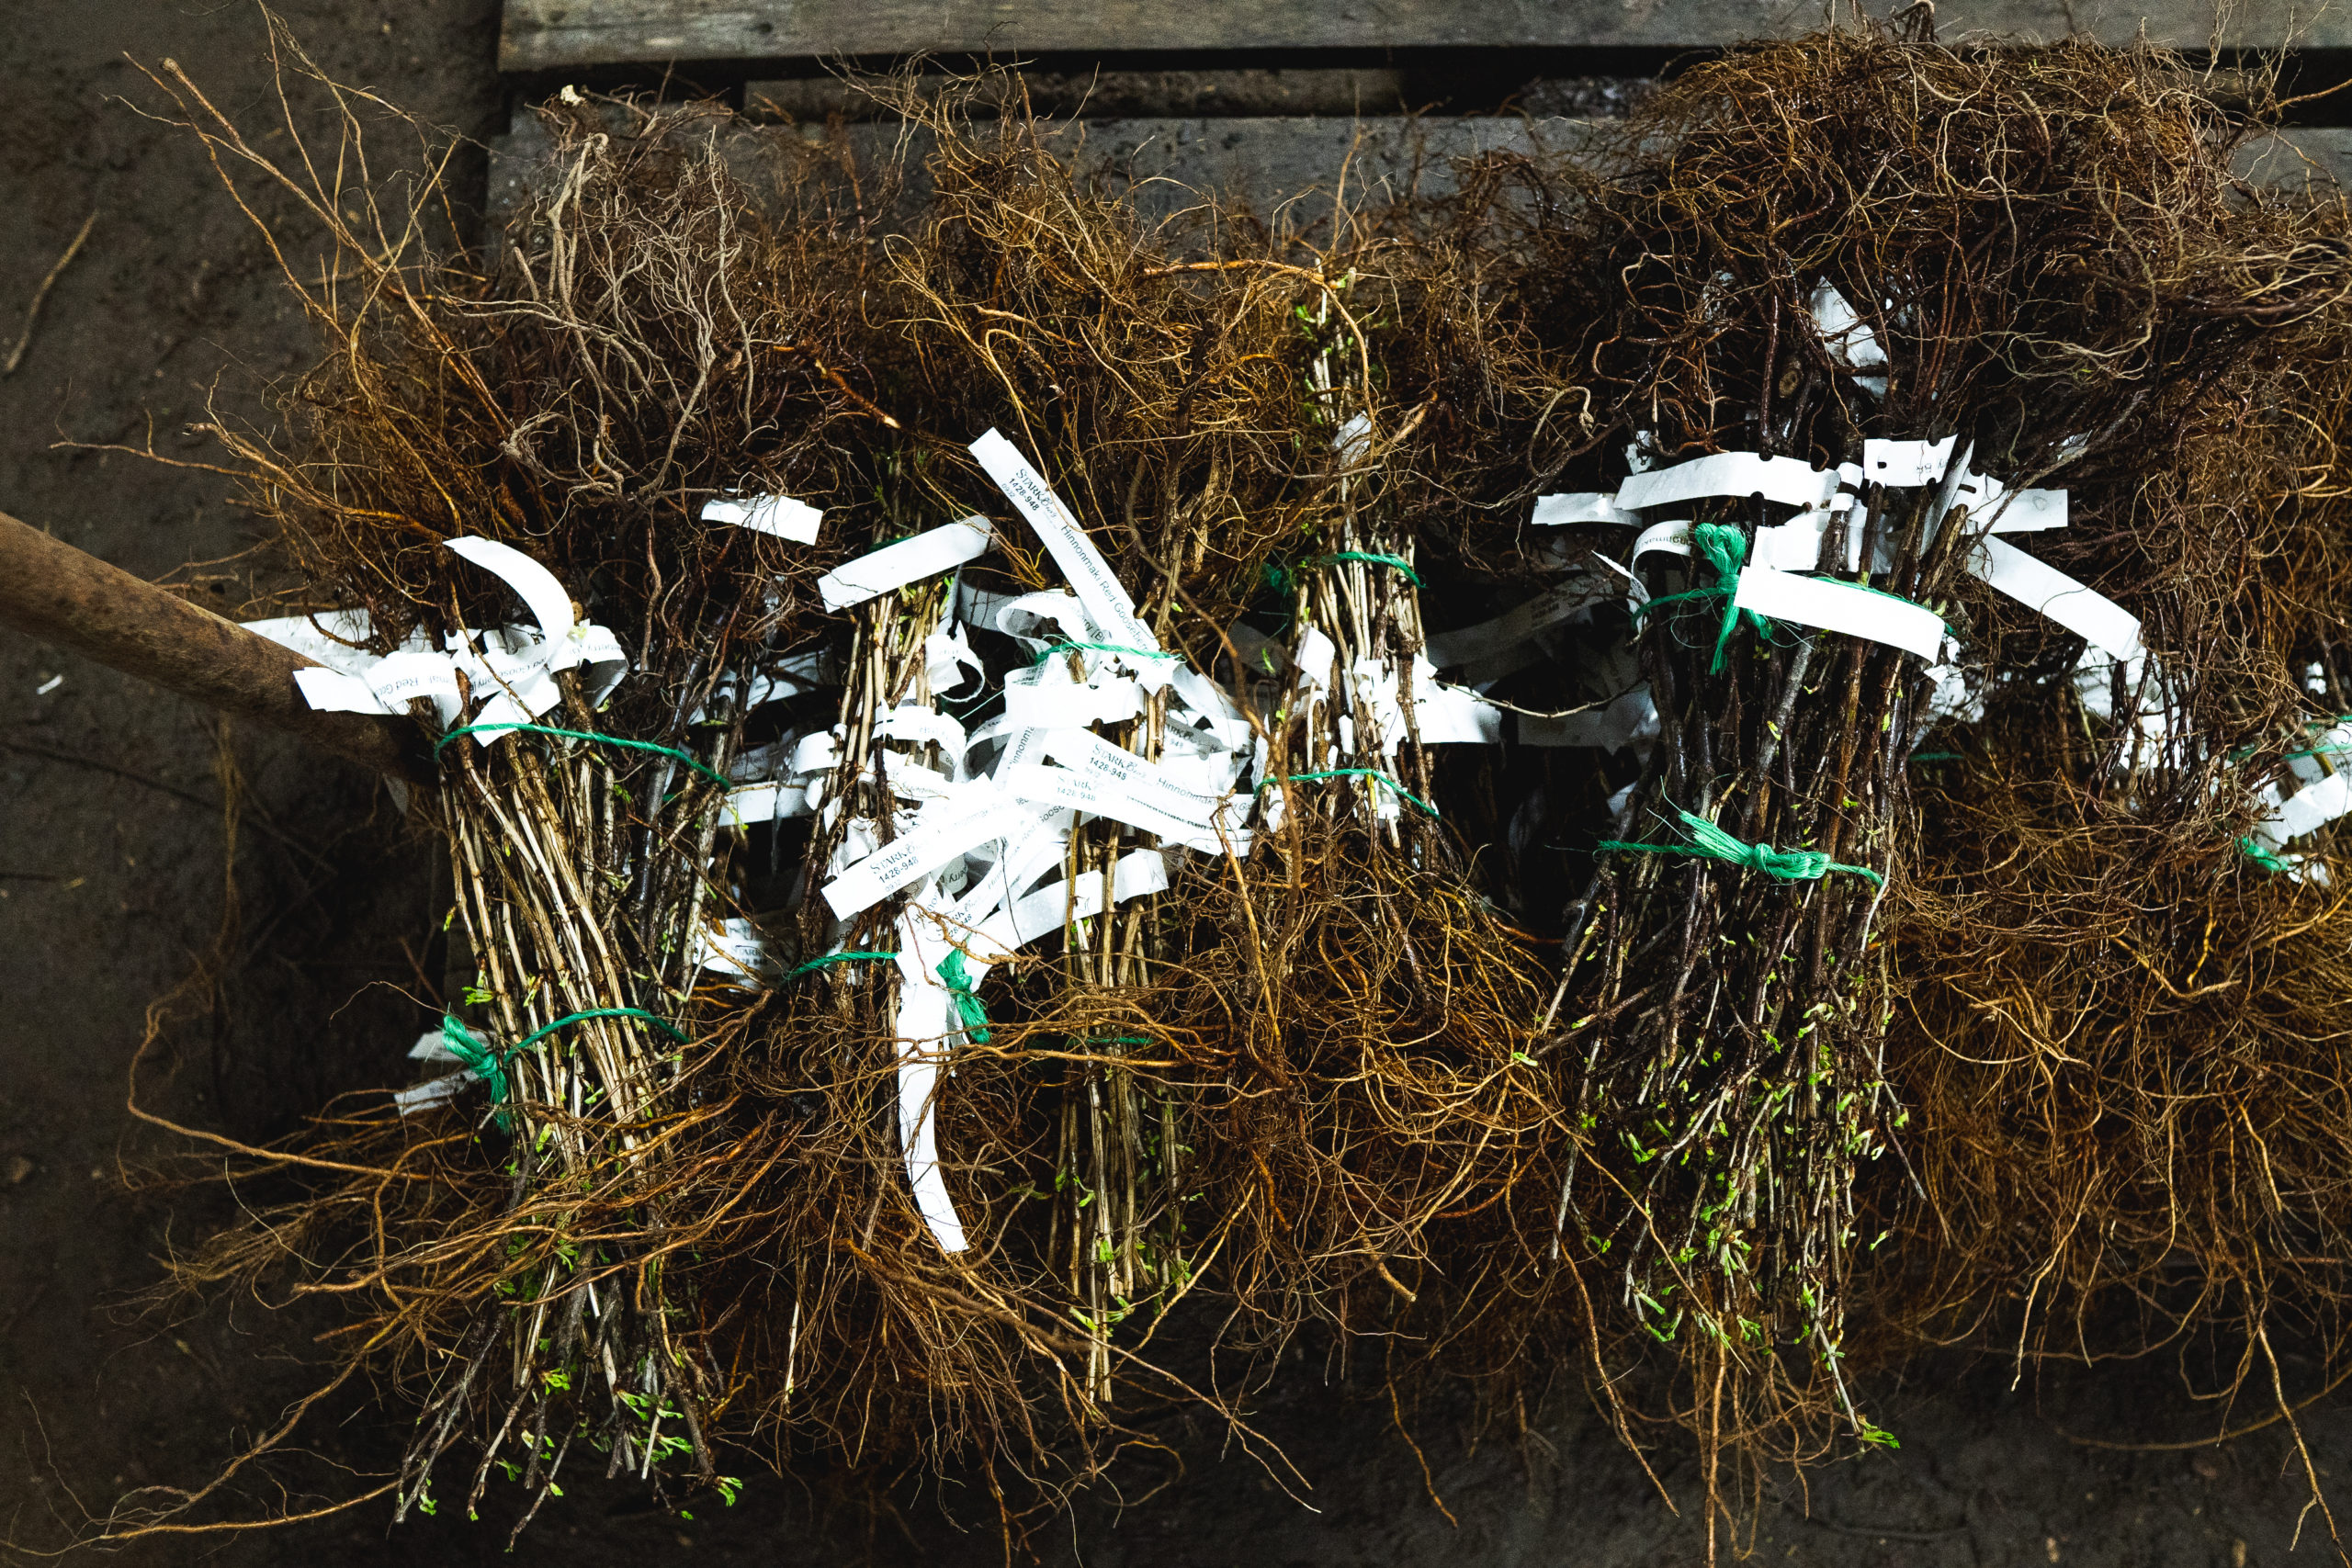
{"points": [[114, 866]]}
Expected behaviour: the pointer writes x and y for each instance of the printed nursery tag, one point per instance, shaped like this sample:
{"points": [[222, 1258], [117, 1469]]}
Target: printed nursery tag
{"points": [[943, 831], [325, 637], [1468, 644], [928, 1027], [1091, 577]]}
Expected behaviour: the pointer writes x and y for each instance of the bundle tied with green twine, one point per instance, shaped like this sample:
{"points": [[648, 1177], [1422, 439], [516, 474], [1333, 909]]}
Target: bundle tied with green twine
{"points": [[1724, 548], [489, 1064], [1711, 842]]}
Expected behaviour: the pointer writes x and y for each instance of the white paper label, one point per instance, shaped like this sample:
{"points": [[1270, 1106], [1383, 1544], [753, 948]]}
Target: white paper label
{"points": [[1091, 577], [332, 691], [1049, 908], [1022, 859], [928, 1025], [433, 1046], [1845, 333], [924, 727], [1056, 607], [1845, 607], [329, 641], [1206, 698], [1791, 481], [1467, 645], [1317, 658], [2030, 511], [399, 679], [2311, 807], [732, 946], [946, 656], [1627, 719], [770, 801], [910, 560], [1096, 758], [943, 831], [1578, 506], [1672, 539], [1906, 464], [2086, 612], [1042, 785], [777, 514], [535, 584], [1111, 699], [433, 1092]]}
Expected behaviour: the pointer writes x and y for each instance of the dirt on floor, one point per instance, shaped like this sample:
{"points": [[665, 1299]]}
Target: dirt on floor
{"points": [[118, 882]]}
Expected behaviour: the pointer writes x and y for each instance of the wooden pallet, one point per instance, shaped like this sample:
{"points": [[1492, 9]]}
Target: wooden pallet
{"points": [[1269, 102], [574, 35]]}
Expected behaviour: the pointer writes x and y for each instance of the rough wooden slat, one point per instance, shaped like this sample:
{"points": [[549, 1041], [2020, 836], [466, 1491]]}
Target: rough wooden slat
{"points": [[566, 35], [1265, 162], [1292, 163], [1116, 94]]}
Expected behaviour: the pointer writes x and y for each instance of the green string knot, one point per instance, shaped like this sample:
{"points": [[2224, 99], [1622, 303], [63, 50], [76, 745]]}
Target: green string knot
{"points": [[1724, 548], [1711, 842], [958, 980], [2267, 859], [478, 1058]]}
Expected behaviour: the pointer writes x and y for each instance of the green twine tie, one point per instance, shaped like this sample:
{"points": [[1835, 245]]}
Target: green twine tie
{"points": [[1373, 774], [1711, 842], [697, 763], [489, 1064], [1725, 549], [1393, 563], [1100, 648], [1281, 580], [2266, 859], [839, 958], [968, 1005]]}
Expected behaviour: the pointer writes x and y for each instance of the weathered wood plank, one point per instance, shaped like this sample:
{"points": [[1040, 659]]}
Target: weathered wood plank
{"points": [[1287, 168], [1169, 163], [1116, 94], [560, 35]]}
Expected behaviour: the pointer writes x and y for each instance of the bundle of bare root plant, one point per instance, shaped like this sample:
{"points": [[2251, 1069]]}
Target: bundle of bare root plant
{"points": [[1856, 306], [1022, 754], [1337, 1015], [2121, 962], [564, 511]]}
